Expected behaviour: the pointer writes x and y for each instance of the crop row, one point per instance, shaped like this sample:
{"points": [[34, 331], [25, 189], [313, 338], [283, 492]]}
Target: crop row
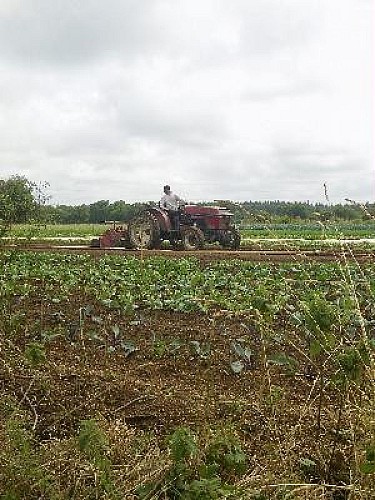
{"points": [[183, 284], [308, 231], [330, 295]]}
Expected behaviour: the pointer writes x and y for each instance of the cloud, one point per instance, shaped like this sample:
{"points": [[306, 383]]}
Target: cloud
{"points": [[71, 32], [242, 100]]}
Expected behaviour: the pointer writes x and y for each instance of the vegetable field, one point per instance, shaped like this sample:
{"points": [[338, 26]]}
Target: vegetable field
{"points": [[304, 236], [311, 231], [158, 378]]}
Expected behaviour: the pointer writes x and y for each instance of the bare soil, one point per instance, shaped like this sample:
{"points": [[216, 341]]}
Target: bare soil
{"points": [[212, 254], [179, 374]]}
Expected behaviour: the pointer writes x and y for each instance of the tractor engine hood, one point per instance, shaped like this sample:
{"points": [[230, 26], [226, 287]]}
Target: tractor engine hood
{"points": [[198, 210]]}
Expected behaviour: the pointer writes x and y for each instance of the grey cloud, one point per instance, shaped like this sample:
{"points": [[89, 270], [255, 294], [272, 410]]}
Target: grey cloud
{"points": [[307, 160], [173, 128], [70, 31], [273, 25], [279, 90], [73, 32], [244, 100]]}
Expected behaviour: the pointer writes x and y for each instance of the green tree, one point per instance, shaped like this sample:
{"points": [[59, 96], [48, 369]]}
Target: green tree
{"points": [[99, 211], [17, 201]]}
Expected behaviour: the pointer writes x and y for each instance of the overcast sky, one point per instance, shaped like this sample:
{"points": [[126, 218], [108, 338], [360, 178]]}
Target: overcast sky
{"points": [[221, 99]]}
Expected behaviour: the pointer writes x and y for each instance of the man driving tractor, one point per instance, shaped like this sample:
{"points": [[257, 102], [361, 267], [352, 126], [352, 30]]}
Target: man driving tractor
{"points": [[172, 203], [184, 226]]}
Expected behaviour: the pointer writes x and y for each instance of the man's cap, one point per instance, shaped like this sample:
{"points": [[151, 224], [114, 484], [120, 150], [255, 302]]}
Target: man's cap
{"points": [[167, 187]]}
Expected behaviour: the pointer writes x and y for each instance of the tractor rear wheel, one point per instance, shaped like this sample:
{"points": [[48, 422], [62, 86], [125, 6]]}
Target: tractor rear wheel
{"points": [[144, 232], [192, 238]]}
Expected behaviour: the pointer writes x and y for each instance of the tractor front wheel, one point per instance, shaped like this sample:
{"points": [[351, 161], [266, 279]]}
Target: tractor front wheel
{"points": [[192, 238], [144, 232], [236, 240], [95, 243]]}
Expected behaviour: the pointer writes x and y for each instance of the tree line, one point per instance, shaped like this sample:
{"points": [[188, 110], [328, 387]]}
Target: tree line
{"points": [[23, 201]]}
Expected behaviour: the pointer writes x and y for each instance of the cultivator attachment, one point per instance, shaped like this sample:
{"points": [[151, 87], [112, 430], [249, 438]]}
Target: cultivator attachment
{"points": [[116, 236]]}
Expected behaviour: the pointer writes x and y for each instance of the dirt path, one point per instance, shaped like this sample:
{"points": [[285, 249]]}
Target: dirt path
{"points": [[210, 254]]}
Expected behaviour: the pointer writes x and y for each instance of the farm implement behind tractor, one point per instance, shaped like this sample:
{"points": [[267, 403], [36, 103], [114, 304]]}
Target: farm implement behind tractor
{"points": [[189, 228]]}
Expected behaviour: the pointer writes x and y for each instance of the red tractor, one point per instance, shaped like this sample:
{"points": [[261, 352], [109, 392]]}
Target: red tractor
{"points": [[189, 228]]}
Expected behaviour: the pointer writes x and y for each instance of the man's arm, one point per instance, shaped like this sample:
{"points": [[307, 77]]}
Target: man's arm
{"points": [[179, 200]]}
